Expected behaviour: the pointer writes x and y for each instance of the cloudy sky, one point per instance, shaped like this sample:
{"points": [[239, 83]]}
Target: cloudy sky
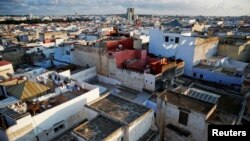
{"points": [[163, 7]]}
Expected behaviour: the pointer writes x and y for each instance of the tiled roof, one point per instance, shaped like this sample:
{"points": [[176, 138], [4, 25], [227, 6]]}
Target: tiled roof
{"points": [[27, 90]]}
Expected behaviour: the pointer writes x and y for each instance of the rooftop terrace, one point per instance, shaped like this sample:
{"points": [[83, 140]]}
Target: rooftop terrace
{"points": [[97, 129], [187, 102], [41, 106], [119, 108]]}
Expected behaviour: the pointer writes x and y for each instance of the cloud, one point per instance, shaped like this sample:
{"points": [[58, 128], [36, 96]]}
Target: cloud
{"points": [[163, 7]]}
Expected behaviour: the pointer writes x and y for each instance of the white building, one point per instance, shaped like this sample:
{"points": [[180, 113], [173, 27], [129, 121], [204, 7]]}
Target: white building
{"points": [[221, 70], [182, 46], [126, 121], [184, 114], [46, 116]]}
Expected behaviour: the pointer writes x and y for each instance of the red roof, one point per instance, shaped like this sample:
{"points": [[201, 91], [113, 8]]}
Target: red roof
{"points": [[3, 63]]}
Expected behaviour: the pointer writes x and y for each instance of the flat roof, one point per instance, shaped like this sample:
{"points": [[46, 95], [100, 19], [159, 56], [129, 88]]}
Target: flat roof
{"points": [[119, 108], [56, 100], [219, 69], [98, 128], [187, 102]]}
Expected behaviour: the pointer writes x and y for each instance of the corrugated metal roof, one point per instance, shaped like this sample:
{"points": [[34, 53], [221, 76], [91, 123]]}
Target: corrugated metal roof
{"points": [[8, 101], [27, 90]]}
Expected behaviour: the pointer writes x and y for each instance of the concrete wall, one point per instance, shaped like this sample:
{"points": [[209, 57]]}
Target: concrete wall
{"points": [[71, 121], [138, 44], [16, 57], [6, 69], [63, 111], [85, 75], [131, 79], [149, 81], [115, 136], [22, 130], [196, 122], [69, 114], [141, 126], [218, 77], [91, 56], [108, 80], [240, 53]]}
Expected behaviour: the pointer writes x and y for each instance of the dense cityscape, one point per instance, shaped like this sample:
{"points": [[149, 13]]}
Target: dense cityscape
{"points": [[122, 77]]}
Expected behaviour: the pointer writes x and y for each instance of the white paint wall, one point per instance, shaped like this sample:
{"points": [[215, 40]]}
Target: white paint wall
{"points": [[196, 122], [149, 81], [218, 77], [115, 136], [84, 75], [183, 50], [108, 80], [63, 111], [65, 73], [130, 79], [141, 126], [204, 51]]}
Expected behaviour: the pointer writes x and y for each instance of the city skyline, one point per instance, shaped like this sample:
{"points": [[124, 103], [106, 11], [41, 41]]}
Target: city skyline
{"points": [[159, 7]]}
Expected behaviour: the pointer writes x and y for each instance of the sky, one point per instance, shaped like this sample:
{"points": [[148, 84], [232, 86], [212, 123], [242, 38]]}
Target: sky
{"points": [[160, 7]]}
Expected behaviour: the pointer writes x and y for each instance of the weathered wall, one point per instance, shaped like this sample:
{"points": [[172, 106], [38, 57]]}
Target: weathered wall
{"points": [[108, 80], [115, 136], [69, 113], [85, 75], [141, 126], [196, 122], [240, 53], [16, 57], [131, 79], [149, 81], [91, 56], [218, 77], [6, 69], [204, 49], [22, 130]]}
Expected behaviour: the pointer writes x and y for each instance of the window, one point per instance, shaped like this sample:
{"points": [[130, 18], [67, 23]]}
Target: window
{"points": [[176, 40], [201, 76], [166, 38], [194, 74], [59, 128], [183, 118]]}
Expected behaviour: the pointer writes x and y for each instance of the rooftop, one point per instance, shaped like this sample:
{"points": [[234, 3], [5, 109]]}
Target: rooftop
{"points": [[187, 102], [98, 128], [119, 108], [41, 106], [228, 102], [27, 90], [3, 63]]}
